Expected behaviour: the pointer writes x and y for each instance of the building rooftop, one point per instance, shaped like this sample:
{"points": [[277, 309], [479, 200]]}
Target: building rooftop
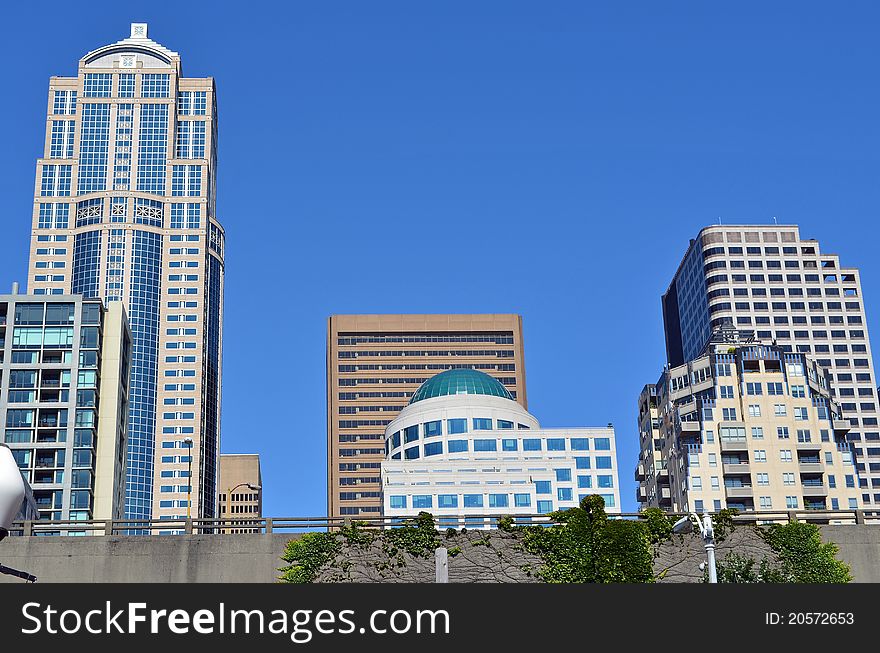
{"points": [[460, 382]]}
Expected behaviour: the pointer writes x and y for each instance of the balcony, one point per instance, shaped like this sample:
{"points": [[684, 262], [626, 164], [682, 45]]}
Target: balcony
{"points": [[738, 492], [640, 472], [641, 494], [840, 425], [808, 446], [734, 445], [690, 427], [815, 490], [735, 468], [663, 476], [664, 497], [810, 466]]}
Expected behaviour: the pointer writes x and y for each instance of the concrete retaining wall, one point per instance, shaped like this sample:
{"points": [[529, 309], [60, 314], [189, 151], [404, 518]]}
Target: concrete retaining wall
{"points": [[256, 558]]}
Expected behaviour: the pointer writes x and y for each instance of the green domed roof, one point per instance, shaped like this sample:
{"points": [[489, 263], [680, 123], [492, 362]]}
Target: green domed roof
{"points": [[460, 382]]}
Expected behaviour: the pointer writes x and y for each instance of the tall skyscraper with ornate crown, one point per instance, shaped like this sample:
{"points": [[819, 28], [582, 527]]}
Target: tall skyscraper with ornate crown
{"points": [[124, 210]]}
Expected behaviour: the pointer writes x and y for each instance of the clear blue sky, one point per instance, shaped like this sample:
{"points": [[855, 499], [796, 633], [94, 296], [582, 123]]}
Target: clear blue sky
{"points": [[550, 159]]}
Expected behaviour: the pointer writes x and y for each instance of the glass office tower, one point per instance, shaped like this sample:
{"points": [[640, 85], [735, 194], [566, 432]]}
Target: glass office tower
{"points": [[124, 210]]}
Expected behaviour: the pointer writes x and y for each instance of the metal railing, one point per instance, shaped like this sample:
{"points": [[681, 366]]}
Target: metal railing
{"points": [[269, 525]]}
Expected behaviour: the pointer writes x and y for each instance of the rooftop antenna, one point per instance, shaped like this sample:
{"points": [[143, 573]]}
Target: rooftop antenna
{"points": [[719, 219], [774, 220]]}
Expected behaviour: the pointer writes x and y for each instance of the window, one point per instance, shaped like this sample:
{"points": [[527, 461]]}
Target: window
{"points": [[522, 500], [728, 414], [456, 426], [555, 444], [433, 428], [473, 500], [800, 413], [779, 410], [433, 449], [774, 389], [545, 507], [765, 503], [531, 444], [788, 478], [754, 388], [155, 85], [564, 494], [411, 433], [698, 505], [498, 501], [504, 424], [605, 481], [762, 478], [411, 454], [602, 444], [542, 487], [582, 462], [580, 444], [791, 502], [509, 444], [585, 481], [485, 445], [482, 424], [398, 501], [726, 391], [563, 475], [603, 462], [754, 410], [760, 456], [447, 501], [785, 455], [782, 432], [422, 501], [457, 446], [757, 432]]}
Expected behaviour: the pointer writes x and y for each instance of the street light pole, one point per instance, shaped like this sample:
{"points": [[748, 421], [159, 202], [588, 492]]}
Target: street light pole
{"points": [[189, 444], [708, 534], [686, 525]]}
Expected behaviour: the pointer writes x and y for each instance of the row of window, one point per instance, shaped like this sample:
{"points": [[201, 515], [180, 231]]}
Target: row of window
{"points": [[449, 501]]}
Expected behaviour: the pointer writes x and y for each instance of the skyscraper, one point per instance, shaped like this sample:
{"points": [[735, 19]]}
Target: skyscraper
{"points": [[769, 281], [124, 210], [374, 365], [64, 370]]}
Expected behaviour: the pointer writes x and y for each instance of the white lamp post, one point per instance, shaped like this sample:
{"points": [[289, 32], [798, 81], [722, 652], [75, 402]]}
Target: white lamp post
{"points": [[686, 525]]}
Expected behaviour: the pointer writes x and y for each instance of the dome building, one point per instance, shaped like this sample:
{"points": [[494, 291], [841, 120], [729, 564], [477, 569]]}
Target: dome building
{"points": [[463, 448]]}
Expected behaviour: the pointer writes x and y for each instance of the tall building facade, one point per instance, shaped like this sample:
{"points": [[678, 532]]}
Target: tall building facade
{"points": [[463, 448], [769, 280], [374, 365], [64, 374], [747, 426], [240, 494], [124, 210]]}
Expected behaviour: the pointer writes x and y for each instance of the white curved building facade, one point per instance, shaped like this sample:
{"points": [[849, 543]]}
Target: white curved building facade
{"points": [[463, 449]]}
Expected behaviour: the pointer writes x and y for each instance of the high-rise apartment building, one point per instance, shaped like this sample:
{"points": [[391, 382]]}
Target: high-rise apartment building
{"points": [[463, 448], [124, 210], [374, 365], [785, 289], [64, 374], [747, 426]]}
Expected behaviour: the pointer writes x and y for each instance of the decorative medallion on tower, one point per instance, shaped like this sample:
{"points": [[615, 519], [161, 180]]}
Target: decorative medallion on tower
{"points": [[138, 30], [128, 60]]}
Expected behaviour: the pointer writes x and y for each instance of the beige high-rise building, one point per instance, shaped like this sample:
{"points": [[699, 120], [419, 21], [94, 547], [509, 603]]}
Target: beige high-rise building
{"points": [[374, 365], [240, 488], [768, 280], [124, 210], [746, 425]]}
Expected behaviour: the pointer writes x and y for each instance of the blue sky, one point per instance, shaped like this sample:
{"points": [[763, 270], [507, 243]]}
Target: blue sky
{"points": [[549, 159]]}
